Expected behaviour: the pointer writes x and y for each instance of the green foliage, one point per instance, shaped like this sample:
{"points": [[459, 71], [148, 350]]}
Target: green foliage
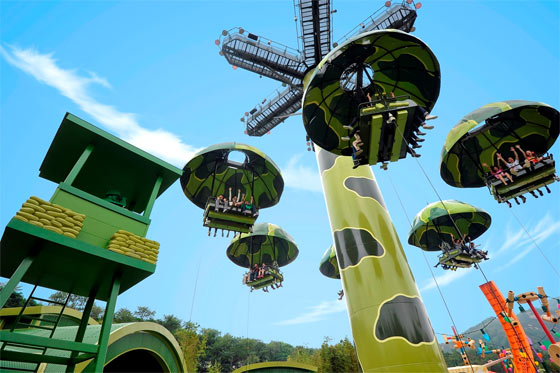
{"points": [[171, 322], [96, 312], [215, 367], [144, 313], [340, 357], [124, 315], [193, 345], [304, 355], [75, 301], [17, 299]]}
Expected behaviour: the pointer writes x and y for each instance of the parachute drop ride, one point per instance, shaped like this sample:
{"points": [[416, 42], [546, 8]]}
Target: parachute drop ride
{"points": [[263, 251], [329, 264], [504, 146], [450, 226], [370, 97], [231, 191]]}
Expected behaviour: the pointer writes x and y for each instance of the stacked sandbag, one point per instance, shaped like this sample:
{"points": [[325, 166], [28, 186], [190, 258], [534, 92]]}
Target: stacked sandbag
{"points": [[51, 216], [127, 243]]}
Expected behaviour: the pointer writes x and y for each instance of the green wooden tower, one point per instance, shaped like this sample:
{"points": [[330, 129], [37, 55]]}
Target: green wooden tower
{"points": [[88, 240]]}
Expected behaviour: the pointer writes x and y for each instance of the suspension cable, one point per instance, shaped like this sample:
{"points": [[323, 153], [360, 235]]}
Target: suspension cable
{"points": [[453, 221], [426, 260], [431, 184], [195, 285]]}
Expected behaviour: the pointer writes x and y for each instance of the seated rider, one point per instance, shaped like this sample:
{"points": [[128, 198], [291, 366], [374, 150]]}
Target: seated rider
{"points": [[262, 270], [248, 207], [220, 202], [254, 272], [512, 164], [499, 174]]}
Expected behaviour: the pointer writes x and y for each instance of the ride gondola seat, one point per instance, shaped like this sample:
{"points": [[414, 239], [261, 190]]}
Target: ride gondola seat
{"points": [[231, 219], [457, 259], [385, 141], [525, 181], [271, 276]]}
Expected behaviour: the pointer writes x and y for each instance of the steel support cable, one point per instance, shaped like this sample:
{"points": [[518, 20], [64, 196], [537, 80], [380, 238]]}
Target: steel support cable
{"points": [[426, 260], [439, 197], [431, 184], [195, 285]]}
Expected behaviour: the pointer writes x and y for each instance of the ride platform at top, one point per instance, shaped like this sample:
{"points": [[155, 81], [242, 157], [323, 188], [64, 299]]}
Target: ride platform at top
{"points": [[384, 82], [290, 66]]}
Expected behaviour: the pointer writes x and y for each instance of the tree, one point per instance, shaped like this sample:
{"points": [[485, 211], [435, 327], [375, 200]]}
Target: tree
{"points": [[75, 301], [171, 322], [17, 299], [96, 312], [193, 345], [124, 315], [144, 313], [215, 367]]}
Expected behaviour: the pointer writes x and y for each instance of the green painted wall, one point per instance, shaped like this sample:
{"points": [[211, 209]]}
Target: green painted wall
{"points": [[100, 222], [389, 323]]}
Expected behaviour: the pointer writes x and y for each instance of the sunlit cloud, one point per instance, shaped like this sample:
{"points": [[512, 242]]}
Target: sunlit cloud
{"points": [[316, 313], [298, 176], [523, 244], [76, 87]]}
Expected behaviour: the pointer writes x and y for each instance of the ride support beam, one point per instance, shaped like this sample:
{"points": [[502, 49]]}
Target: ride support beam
{"points": [[390, 326], [106, 325], [14, 280], [541, 323]]}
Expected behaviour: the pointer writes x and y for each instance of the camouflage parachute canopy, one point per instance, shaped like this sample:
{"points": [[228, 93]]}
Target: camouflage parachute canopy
{"points": [[329, 264], [210, 173], [532, 125], [439, 220], [266, 244], [399, 62]]}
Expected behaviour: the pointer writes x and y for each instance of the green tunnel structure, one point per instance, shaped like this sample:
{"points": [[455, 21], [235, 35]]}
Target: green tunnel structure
{"points": [[132, 347], [88, 240]]}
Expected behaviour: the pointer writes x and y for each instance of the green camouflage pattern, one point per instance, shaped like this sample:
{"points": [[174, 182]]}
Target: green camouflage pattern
{"points": [[266, 244], [439, 220], [207, 174], [402, 64], [532, 125], [329, 264]]}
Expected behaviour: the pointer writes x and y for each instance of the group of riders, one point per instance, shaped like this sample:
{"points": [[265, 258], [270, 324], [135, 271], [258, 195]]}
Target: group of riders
{"points": [[505, 170], [234, 204], [257, 272], [465, 247], [359, 156]]}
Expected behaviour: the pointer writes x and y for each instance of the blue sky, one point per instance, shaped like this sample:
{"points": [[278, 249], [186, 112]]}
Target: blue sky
{"points": [[149, 72]]}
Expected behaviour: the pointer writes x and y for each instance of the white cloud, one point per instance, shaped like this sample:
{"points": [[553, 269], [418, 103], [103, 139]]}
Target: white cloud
{"points": [[75, 87], [447, 278], [316, 313], [545, 228], [299, 176]]}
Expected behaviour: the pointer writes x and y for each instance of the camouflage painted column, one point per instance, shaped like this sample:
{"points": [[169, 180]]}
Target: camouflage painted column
{"points": [[389, 323]]}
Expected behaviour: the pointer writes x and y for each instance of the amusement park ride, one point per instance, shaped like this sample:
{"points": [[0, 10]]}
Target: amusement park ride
{"points": [[364, 101], [369, 98]]}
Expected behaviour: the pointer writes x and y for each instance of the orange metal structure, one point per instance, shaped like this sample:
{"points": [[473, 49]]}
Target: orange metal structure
{"points": [[523, 360]]}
